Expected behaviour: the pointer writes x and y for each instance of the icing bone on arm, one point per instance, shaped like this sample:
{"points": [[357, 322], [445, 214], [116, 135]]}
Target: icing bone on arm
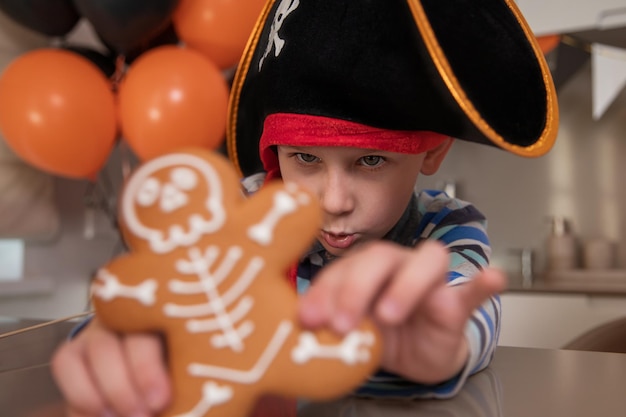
{"points": [[207, 270], [115, 289]]}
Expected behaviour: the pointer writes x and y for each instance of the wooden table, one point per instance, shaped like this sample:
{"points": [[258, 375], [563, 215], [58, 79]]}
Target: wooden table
{"points": [[521, 382]]}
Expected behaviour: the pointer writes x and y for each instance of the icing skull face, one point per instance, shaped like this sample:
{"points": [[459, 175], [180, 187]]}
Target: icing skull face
{"points": [[169, 190], [171, 195]]}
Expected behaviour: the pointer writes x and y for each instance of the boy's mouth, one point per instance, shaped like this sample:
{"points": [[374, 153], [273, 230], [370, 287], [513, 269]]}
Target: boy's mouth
{"points": [[338, 241]]}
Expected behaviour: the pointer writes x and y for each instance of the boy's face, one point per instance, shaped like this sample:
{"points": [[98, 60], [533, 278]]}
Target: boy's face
{"points": [[363, 192]]}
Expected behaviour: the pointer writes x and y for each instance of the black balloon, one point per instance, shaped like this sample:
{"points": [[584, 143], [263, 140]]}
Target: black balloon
{"points": [[106, 63], [49, 17], [166, 37], [125, 25]]}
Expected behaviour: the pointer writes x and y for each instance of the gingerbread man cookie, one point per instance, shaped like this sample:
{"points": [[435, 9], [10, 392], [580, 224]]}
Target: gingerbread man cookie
{"points": [[207, 269]]}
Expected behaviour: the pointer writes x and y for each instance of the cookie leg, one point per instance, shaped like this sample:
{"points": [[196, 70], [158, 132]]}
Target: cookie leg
{"points": [[213, 395], [217, 399], [321, 365]]}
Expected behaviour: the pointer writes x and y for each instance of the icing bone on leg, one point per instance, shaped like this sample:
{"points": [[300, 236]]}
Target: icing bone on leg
{"points": [[354, 348], [112, 288], [212, 395]]}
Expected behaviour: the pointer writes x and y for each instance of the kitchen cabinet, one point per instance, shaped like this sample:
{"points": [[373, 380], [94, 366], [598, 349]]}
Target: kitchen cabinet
{"points": [[550, 319]]}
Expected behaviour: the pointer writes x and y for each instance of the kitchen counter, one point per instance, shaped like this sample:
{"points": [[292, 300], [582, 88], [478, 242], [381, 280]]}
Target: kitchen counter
{"points": [[521, 382], [31, 348], [605, 283]]}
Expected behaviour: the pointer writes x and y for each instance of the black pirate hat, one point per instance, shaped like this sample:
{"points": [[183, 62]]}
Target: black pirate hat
{"points": [[470, 69]]}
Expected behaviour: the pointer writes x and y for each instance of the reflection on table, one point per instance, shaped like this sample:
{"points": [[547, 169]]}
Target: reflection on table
{"points": [[481, 397]]}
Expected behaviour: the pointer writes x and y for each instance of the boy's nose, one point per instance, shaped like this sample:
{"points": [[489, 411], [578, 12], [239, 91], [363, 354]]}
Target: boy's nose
{"points": [[336, 196]]}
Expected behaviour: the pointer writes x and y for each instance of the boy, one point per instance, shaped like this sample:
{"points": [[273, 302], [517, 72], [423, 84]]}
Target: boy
{"points": [[354, 99]]}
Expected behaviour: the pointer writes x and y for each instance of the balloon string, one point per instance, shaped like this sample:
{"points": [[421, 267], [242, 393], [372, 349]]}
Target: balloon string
{"points": [[120, 66], [99, 196], [108, 195], [89, 200], [125, 154], [45, 324]]}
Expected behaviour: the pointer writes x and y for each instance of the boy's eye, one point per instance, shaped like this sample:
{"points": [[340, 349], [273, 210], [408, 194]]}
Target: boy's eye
{"points": [[372, 160], [306, 157]]}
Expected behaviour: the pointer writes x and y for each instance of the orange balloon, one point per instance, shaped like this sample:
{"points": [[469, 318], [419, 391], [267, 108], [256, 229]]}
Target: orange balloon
{"points": [[547, 43], [172, 97], [57, 112], [217, 28]]}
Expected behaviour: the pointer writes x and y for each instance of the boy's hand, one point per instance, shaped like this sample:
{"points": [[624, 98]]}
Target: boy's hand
{"points": [[101, 373], [421, 318]]}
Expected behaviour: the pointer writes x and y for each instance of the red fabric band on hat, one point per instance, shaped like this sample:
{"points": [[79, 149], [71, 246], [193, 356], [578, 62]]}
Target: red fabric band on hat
{"points": [[306, 130]]}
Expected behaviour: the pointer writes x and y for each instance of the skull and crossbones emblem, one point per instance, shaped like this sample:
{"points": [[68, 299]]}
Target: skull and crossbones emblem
{"points": [[285, 8]]}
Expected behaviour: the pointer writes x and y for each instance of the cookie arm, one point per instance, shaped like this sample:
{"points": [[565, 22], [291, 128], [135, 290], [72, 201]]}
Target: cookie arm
{"points": [[126, 293]]}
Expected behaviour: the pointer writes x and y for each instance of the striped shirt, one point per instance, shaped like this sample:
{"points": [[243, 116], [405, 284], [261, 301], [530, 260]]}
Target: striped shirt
{"points": [[461, 227]]}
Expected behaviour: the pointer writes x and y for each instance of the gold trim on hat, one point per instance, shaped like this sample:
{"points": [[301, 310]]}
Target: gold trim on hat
{"points": [[543, 144], [240, 76], [548, 136]]}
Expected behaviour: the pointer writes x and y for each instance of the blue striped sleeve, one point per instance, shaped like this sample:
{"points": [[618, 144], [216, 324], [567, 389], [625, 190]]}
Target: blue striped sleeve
{"points": [[462, 228]]}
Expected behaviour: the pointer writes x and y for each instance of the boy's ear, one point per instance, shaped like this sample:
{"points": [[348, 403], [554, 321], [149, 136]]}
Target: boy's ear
{"points": [[435, 156]]}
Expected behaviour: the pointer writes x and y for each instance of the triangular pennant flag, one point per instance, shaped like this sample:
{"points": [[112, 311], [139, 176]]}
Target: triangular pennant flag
{"points": [[608, 76]]}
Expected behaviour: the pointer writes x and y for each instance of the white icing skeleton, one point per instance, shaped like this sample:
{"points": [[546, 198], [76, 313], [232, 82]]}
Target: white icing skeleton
{"points": [[174, 208]]}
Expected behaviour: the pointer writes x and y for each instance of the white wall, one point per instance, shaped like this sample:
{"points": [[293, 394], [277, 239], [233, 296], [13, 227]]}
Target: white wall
{"points": [[562, 16]]}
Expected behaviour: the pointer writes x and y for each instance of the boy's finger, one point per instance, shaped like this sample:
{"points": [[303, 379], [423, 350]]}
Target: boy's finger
{"points": [[74, 380], [362, 276], [315, 307], [147, 364], [343, 291], [485, 284], [423, 271], [111, 372]]}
